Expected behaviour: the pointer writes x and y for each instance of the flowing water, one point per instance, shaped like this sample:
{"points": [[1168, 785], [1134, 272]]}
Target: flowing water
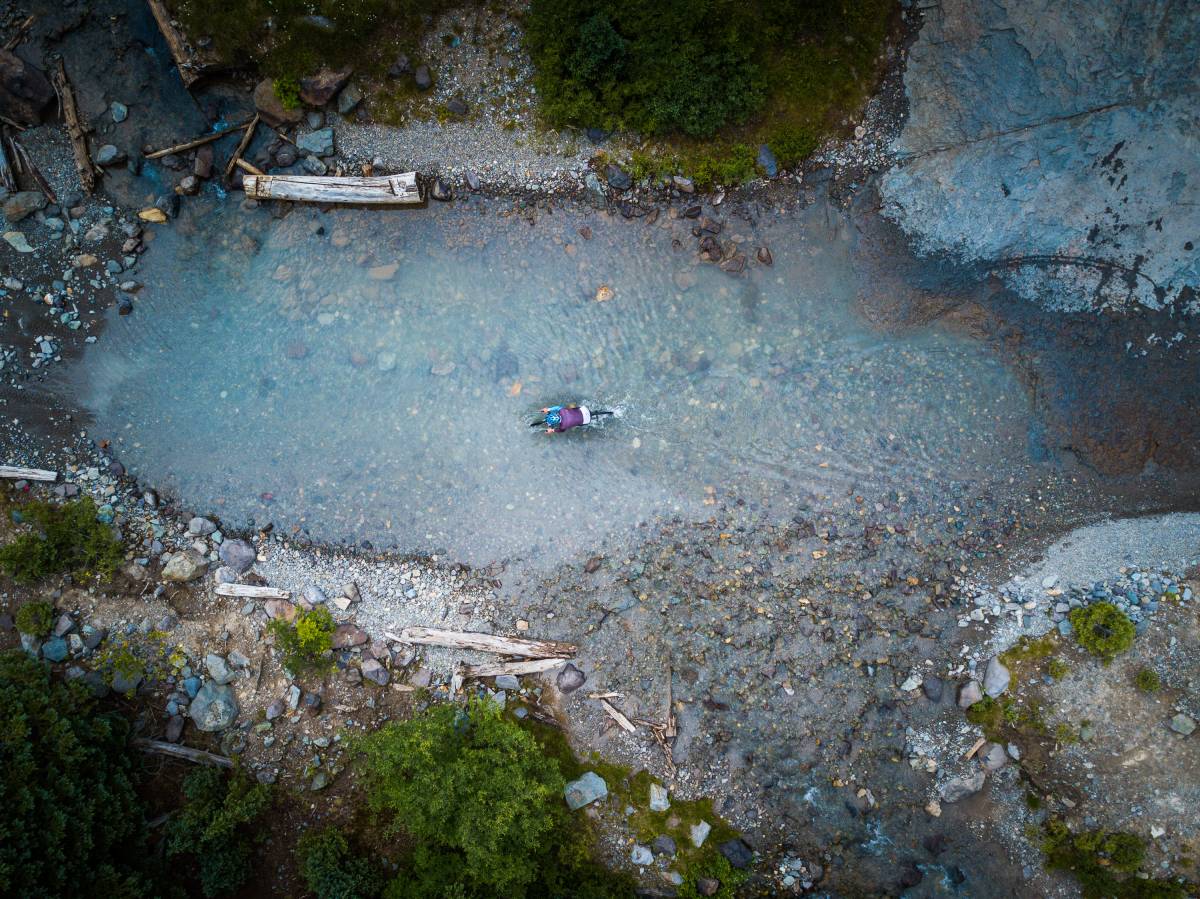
{"points": [[372, 375]]}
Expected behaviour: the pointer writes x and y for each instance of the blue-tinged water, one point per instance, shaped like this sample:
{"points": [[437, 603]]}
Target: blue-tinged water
{"points": [[371, 375]]}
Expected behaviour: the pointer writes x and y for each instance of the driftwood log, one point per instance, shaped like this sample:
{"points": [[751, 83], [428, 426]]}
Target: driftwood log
{"points": [[616, 716], [197, 142], [251, 591], [387, 190], [6, 172], [199, 756], [192, 64], [75, 129], [509, 646], [27, 474], [247, 167], [527, 666]]}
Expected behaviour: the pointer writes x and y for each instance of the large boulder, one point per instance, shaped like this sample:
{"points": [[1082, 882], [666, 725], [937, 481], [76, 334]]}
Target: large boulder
{"points": [[271, 108], [184, 566], [586, 790], [23, 203], [24, 90], [214, 708], [238, 555], [318, 143], [319, 89]]}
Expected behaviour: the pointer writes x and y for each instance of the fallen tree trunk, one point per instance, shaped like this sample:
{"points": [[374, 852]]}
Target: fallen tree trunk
{"points": [[198, 142], [27, 474], [388, 190], [199, 756], [75, 129], [251, 591], [510, 646], [495, 669]]}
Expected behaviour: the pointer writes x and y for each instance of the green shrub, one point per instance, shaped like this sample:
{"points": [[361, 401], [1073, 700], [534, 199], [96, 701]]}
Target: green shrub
{"points": [[307, 642], [216, 827], [1147, 680], [1103, 630], [484, 808], [332, 871], [713, 867], [35, 618], [693, 67], [72, 820], [65, 538], [1058, 669], [1104, 863]]}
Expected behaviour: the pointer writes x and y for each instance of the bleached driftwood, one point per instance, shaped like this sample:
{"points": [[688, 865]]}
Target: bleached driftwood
{"points": [[75, 129], [27, 474], [617, 716], [199, 141], [199, 756], [252, 592], [386, 190], [528, 666], [242, 145], [509, 646]]}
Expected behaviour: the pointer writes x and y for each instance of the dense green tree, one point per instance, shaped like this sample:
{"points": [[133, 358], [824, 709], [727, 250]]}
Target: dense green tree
{"points": [[71, 823]]}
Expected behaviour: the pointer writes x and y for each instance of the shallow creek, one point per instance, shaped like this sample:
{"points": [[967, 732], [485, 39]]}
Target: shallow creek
{"points": [[371, 375]]}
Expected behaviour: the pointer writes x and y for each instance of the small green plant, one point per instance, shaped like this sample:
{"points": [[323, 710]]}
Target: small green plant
{"points": [[332, 870], [1058, 669], [287, 89], [713, 866], [1106, 863], [1103, 630], [483, 805], [1065, 734], [35, 618], [64, 538], [306, 644], [216, 827], [1147, 680]]}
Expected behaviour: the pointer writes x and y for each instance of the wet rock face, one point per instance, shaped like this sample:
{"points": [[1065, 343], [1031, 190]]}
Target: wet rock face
{"points": [[1052, 144]]}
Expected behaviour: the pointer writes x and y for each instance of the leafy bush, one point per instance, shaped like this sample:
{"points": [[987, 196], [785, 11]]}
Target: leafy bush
{"points": [[216, 827], [484, 807], [695, 66], [332, 871], [1097, 858], [35, 618], [1103, 630], [71, 819], [1147, 680], [64, 538], [307, 642]]}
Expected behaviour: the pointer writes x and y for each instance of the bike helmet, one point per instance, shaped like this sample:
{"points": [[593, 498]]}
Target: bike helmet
{"points": [[553, 418]]}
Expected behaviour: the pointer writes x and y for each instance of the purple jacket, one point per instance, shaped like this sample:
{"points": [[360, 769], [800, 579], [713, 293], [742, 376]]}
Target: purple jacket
{"points": [[570, 418]]}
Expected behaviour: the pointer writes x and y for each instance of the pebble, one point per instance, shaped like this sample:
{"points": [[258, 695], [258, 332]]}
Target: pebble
{"points": [[1182, 724], [659, 798], [570, 678], [641, 856], [699, 833], [996, 678]]}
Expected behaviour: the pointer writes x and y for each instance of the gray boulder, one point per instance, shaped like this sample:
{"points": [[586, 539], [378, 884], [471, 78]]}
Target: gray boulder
{"points": [[319, 89], [184, 566], [996, 678], [618, 178], [586, 790], [23, 203], [214, 708], [271, 107], [570, 678], [201, 527], [958, 788], [969, 694], [318, 143], [349, 99], [375, 673], [218, 668], [238, 555]]}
